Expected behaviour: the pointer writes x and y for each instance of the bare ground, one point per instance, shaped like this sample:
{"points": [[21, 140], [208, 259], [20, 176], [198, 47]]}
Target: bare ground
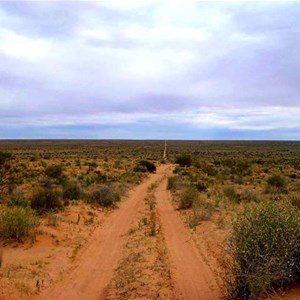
{"points": [[93, 269], [114, 257], [193, 275], [144, 269]]}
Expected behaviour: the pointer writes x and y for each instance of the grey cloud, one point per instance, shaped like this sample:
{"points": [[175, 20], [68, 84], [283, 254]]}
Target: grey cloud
{"points": [[151, 59]]}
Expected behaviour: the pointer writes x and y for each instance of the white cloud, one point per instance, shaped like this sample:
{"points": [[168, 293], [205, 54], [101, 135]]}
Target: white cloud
{"points": [[23, 47]]}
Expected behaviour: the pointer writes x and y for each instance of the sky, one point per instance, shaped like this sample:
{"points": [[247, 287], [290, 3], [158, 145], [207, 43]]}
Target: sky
{"points": [[150, 69]]}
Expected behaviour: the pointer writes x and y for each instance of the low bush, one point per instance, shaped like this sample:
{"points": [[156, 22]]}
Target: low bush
{"points": [[45, 199], [202, 211], [230, 192], [54, 171], [4, 156], [264, 250], [248, 196], [72, 191], [188, 197], [276, 184], [184, 160], [172, 182], [201, 186], [17, 198], [17, 222], [104, 196], [294, 199], [145, 166]]}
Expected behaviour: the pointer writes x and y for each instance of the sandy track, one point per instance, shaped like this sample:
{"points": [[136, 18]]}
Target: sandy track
{"points": [[193, 278], [94, 267]]}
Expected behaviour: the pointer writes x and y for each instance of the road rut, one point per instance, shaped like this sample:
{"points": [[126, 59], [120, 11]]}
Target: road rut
{"points": [[94, 267], [192, 276]]}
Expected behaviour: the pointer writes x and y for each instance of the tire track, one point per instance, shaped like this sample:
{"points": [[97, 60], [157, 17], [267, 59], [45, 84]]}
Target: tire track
{"points": [[192, 277], [94, 267]]}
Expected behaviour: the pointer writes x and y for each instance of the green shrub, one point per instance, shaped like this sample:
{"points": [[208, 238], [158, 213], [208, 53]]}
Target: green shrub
{"points": [[4, 156], [188, 197], [141, 169], [54, 171], [276, 184], [230, 192], [17, 222], [172, 182], [45, 199], [145, 166], [248, 196], [72, 191], [202, 211], [17, 198], [184, 160], [264, 249], [104, 196]]}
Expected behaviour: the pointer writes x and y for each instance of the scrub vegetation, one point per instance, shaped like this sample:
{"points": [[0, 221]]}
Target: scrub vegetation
{"points": [[241, 198]]}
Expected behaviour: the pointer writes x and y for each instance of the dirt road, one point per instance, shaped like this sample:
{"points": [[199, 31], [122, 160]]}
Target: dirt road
{"points": [[192, 276], [94, 267]]}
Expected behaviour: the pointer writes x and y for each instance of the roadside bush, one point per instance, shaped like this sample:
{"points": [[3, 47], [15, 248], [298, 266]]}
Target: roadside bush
{"points": [[104, 196], [276, 184], [145, 166], [72, 191], [176, 183], [188, 197], [140, 169], [17, 222], [172, 182], [54, 171], [184, 160], [264, 250], [202, 211], [45, 199]]}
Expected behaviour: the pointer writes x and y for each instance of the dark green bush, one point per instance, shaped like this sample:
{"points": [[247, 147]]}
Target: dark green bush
{"points": [[141, 169], [201, 186], [54, 171], [145, 165], [184, 160], [188, 197], [264, 249], [45, 199], [72, 191], [104, 196], [17, 222], [4, 156]]}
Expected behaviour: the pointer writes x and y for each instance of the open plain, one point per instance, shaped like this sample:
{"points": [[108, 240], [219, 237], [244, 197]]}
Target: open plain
{"points": [[137, 220]]}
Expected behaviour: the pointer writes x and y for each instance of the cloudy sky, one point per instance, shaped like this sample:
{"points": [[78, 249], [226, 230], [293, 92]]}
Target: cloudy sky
{"points": [[150, 69]]}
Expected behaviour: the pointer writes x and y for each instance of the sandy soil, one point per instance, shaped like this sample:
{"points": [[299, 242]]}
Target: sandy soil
{"points": [[144, 269], [39, 262], [142, 250], [193, 275], [93, 268]]}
